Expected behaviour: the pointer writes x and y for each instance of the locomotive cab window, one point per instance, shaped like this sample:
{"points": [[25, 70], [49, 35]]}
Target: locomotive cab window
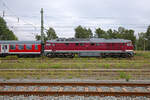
{"points": [[29, 47], [12, 47], [20, 47], [67, 44], [81, 44], [36, 47], [92, 44], [77, 44]]}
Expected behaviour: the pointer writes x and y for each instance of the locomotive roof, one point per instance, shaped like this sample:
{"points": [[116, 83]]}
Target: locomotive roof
{"points": [[89, 40], [20, 42]]}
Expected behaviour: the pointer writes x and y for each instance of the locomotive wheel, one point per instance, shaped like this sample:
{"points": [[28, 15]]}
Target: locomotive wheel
{"points": [[71, 56], [50, 55]]}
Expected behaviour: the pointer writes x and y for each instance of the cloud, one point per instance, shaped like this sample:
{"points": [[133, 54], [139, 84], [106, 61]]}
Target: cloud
{"points": [[65, 15]]}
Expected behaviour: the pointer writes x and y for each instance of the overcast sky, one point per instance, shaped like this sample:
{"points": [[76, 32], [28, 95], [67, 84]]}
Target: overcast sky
{"points": [[65, 15]]}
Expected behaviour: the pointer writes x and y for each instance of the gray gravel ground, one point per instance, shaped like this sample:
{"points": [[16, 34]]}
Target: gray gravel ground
{"points": [[72, 80], [70, 88], [42, 88], [71, 98], [143, 89], [92, 88], [55, 88], [67, 88], [105, 89], [117, 89], [80, 88], [130, 89]]}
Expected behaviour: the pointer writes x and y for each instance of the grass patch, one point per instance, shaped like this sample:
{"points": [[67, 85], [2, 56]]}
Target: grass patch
{"points": [[55, 66], [141, 60], [125, 76]]}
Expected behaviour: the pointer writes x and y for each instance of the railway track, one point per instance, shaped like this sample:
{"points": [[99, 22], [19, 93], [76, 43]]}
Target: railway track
{"points": [[75, 89]]}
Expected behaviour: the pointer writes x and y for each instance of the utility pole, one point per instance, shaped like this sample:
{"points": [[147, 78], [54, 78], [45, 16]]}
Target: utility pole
{"points": [[42, 26], [3, 14], [42, 32]]}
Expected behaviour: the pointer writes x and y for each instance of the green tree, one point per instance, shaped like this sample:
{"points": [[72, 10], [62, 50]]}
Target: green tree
{"points": [[38, 37], [82, 32], [112, 34], [141, 41], [50, 34], [5, 33], [147, 36], [101, 33]]}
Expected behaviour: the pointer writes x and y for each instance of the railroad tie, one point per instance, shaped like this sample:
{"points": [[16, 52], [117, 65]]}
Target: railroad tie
{"points": [[124, 90], [36, 88], [112, 89], [136, 90], [99, 90], [1, 88], [148, 89], [25, 88], [73, 89], [12, 89], [48, 89], [86, 89], [61, 89]]}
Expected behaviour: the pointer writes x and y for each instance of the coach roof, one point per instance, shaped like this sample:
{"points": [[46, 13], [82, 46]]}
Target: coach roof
{"points": [[20, 42], [88, 40]]}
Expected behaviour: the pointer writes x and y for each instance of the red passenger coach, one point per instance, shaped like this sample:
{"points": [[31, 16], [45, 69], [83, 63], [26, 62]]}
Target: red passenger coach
{"points": [[97, 47], [20, 48]]}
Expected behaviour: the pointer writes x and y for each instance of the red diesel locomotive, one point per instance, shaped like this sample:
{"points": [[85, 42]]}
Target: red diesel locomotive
{"points": [[94, 47]]}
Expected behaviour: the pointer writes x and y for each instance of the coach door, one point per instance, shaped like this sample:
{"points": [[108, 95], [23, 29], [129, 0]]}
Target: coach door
{"points": [[5, 48]]}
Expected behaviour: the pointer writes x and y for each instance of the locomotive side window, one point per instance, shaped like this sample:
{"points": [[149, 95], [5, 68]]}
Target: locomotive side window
{"points": [[81, 44], [77, 44], [48, 44], [92, 44], [67, 44], [53, 44], [97, 44], [129, 44], [36, 47], [29, 47], [12, 47], [20, 47]]}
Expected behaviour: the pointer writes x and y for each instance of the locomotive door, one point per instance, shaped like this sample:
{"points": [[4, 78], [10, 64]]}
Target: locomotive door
{"points": [[4, 48]]}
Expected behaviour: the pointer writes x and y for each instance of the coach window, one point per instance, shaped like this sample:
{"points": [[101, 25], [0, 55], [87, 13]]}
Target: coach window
{"points": [[12, 47], [36, 47], [20, 47], [29, 47], [92, 44], [81, 44]]}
